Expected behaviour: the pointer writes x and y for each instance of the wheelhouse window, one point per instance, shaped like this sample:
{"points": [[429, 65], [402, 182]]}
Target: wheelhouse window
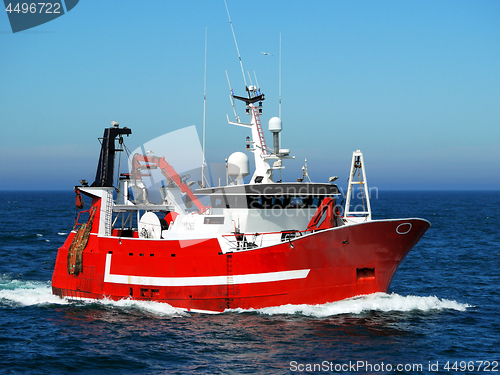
{"points": [[228, 201], [265, 202]]}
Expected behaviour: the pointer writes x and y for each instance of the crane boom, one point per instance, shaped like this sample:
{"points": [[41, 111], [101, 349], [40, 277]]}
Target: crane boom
{"points": [[168, 171]]}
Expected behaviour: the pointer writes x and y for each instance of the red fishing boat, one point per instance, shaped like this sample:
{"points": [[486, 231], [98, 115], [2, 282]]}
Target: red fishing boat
{"points": [[256, 244]]}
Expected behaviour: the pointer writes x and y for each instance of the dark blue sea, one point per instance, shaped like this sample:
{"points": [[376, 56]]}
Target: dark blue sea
{"points": [[441, 314]]}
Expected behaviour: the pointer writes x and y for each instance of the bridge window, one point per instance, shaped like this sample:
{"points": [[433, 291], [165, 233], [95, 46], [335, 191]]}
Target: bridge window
{"points": [[265, 202]]}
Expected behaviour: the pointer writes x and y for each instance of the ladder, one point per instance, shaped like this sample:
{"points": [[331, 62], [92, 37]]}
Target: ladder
{"points": [[230, 281], [262, 140], [108, 213]]}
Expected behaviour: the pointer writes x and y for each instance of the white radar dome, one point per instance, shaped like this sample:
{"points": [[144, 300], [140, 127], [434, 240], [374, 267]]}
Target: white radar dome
{"points": [[238, 166], [275, 125]]}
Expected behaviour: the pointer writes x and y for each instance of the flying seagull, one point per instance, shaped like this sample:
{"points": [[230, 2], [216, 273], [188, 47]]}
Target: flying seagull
{"points": [[265, 53]]}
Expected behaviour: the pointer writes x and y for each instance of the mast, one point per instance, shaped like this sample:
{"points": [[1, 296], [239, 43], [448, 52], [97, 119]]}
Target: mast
{"points": [[279, 104], [358, 165], [264, 164], [105, 168]]}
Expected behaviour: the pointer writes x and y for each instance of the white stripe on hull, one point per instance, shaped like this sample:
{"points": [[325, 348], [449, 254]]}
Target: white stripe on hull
{"points": [[201, 280]]}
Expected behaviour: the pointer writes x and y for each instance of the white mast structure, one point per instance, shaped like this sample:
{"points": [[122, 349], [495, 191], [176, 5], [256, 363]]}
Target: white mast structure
{"points": [[262, 156], [358, 165]]}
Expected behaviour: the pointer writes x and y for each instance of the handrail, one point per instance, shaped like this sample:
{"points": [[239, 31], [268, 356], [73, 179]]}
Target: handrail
{"points": [[279, 232], [264, 233], [78, 217]]}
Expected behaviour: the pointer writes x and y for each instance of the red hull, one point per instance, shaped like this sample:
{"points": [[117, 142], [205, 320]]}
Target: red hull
{"points": [[321, 267]]}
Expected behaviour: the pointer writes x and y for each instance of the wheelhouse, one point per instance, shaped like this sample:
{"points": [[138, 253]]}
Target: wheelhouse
{"points": [[269, 196]]}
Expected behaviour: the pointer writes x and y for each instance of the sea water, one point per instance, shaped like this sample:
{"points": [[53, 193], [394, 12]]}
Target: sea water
{"points": [[441, 314]]}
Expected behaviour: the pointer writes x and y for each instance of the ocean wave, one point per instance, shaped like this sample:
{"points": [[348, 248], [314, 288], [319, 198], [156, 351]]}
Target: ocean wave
{"points": [[28, 293], [358, 305], [152, 307]]}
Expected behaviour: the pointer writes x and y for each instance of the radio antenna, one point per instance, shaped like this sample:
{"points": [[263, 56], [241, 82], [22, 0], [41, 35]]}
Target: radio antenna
{"points": [[231, 98], [249, 78], [256, 82], [237, 50], [203, 178], [279, 104]]}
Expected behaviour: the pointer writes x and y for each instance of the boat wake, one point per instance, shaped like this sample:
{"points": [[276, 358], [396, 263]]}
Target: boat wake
{"points": [[148, 307], [381, 302], [26, 293], [15, 293]]}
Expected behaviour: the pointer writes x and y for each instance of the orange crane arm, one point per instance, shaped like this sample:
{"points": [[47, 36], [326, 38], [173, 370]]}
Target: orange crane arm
{"points": [[168, 171], [327, 206]]}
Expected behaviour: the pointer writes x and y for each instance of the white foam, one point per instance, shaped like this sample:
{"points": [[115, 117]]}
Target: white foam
{"points": [[62, 233], [28, 293], [373, 302], [156, 308]]}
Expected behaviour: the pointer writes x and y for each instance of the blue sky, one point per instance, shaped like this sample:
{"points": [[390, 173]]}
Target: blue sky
{"points": [[414, 84]]}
